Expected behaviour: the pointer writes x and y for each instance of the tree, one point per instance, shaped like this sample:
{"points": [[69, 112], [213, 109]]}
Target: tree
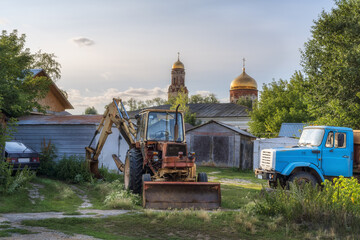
{"points": [[197, 98], [91, 111], [280, 102], [245, 102], [183, 100], [331, 61], [19, 91], [47, 62]]}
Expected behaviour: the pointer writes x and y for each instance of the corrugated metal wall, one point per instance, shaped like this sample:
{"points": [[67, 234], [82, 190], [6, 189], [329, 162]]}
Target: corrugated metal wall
{"points": [[68, 139]]}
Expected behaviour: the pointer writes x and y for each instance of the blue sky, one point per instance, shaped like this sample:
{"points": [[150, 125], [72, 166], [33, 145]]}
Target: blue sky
{"points": [[126, 48]]}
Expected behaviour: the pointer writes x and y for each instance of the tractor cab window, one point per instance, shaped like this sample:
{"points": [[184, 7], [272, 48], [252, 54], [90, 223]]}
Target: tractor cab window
{"points": [[330, 140], [161, 127]]}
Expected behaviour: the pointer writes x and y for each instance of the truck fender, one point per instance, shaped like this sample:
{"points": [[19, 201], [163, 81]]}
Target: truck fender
{"points": [[288, 170]]}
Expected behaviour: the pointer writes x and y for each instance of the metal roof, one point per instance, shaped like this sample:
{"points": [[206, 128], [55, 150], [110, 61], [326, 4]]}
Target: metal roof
{"points": [[58, 120], [291, 129], [35, 71], [208, 110], [231, 127]]}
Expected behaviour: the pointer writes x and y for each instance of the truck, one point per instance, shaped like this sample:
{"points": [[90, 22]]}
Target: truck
{"points": [[157, 164], [323, 152]]}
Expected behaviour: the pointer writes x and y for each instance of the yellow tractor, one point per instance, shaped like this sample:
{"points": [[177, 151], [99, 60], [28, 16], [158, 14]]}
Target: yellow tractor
{"points": [[157, 163]]}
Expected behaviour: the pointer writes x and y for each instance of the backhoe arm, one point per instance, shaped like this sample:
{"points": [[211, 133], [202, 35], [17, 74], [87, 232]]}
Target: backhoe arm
{"points": [[116, 114]]}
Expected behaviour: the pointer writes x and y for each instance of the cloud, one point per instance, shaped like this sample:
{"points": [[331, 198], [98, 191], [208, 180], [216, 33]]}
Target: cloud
{"points": [[4, 21], [82, 41], [100, 100]]}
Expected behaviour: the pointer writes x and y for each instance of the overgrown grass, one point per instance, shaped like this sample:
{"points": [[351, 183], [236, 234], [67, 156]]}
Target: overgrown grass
{"points": [[9, 232], [335, 208]]}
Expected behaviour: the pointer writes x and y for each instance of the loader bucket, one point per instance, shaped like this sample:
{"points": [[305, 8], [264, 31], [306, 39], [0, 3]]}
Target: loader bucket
{"points": [[197, 195]]}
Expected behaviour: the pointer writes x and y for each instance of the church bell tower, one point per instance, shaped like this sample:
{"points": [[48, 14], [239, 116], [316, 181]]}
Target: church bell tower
{"points": [[177, 79]]}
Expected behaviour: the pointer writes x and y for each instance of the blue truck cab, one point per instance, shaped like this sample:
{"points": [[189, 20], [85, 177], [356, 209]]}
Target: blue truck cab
{"points": [[323, 152]]}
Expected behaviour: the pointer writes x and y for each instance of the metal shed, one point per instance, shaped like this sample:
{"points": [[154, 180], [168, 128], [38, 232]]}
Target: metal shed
{"points": [[70, 134], [219, 144]]}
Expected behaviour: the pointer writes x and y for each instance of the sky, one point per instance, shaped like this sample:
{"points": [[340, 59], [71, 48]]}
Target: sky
{"points": [[118, 48]]}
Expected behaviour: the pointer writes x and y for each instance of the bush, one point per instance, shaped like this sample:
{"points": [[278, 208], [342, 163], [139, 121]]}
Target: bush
{"points": [[47, 162], [109, 175], [9, 183], [336, 205], [117, 197], [73, 169]]}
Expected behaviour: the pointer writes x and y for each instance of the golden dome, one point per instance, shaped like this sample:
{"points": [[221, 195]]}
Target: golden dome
{"points": [[243, 81], [178, 64]]}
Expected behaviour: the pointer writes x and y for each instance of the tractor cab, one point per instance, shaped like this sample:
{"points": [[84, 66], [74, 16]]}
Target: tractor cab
{"points": [[160, 126]]}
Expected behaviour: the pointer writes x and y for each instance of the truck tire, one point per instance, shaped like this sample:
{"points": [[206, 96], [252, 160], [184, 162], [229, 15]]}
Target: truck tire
{"points": [[133, 170], [202, 177], [302, 178]]}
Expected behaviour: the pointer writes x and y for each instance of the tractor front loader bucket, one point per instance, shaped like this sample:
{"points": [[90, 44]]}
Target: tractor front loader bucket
{"points": [[197, 195]]}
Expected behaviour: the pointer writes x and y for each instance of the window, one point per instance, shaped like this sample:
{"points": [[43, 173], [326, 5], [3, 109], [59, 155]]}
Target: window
{"points": [[340, 140], [330, 140]]}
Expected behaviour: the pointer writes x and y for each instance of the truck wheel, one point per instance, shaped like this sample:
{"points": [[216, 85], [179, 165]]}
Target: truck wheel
{"points": [[301, 178], [202, 177], [133, 170]]}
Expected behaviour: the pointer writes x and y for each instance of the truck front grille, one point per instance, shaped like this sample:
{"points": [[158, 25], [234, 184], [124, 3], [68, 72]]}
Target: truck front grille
{"points": [[266, 161], [174, 149]]}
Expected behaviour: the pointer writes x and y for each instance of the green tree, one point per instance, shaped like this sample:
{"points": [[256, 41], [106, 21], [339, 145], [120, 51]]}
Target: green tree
{"points": [[91, 111], [331, 61], [183, 100], [47, 62], [197, 98], [19, 91], [280, 102], [245, 102]]}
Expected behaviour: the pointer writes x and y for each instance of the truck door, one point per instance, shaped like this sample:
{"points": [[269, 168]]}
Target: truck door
{"points": [[336, 155]]}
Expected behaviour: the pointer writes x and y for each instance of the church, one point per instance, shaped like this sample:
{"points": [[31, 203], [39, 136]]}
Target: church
{"points": [[242, 87]]}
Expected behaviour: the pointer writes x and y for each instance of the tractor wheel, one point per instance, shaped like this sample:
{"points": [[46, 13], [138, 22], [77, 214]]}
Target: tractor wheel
{"points": [[302, 178], [202, 177], [133, 170]]}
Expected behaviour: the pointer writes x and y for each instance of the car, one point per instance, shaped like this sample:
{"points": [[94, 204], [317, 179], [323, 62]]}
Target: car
{"points": [[20, 155]]}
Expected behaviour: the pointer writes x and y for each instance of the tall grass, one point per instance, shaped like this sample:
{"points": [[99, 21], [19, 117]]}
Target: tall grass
{"points": [[335, 205], [10, 183]]}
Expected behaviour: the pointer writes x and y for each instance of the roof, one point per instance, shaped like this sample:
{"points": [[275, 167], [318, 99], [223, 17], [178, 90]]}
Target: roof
{"points": [[208, 110], [54, 120], [291, 129], [60, 96], [231, 127], [334, 128]]}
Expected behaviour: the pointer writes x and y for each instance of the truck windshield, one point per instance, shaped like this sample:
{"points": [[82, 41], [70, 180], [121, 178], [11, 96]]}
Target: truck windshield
{"points": [[311, 137], [161, 127]]}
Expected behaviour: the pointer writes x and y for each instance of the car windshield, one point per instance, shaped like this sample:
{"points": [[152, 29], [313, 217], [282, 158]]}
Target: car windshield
{"points": [[161, 127], [17, 147], [311, 137]]}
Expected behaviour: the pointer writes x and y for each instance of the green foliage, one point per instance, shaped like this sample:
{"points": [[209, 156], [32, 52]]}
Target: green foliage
{"points": [[331, 60], [183, 100], [90, 111], [280, 102], [19, 91], [109, 176], [245, 102], [117, 197], [73, 169], [9, 184], [47, 62], [335, 206], [134, 104], [198, 98], [47, 159]]}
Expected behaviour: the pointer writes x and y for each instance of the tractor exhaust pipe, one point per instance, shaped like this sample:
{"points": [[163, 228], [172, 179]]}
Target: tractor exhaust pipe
{"points": [[176, 127]]}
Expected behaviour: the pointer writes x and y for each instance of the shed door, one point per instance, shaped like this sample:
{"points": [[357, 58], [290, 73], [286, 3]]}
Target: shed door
{"points": [[202, 148]]}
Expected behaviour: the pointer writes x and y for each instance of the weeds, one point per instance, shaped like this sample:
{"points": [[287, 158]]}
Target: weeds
{"points": [[336, 206], [117, 197], [73, 169], [9, 183]]}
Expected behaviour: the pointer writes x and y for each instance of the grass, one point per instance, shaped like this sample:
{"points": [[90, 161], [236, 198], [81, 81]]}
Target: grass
{"points": [[9, 232], [169, 225], [58, 197]]}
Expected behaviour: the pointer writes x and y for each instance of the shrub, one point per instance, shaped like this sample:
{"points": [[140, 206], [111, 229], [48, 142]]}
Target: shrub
{"points": [[47, 159], [118, 197], [336, 205], [9, 183], [72, 169], [109, 175]]}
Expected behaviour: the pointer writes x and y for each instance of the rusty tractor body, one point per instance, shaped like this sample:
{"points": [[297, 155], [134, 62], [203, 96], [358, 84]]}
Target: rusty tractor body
{"points": [[157, 164]]}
